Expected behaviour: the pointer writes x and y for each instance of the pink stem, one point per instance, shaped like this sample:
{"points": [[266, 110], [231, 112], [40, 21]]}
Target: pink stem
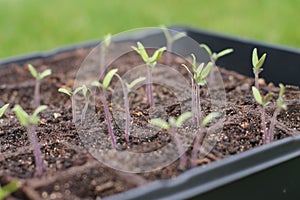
{"points": [[183, 159], [149, 86], [73, 110], [108, 119], [36, 149], [37, 94], [196, 148], [272, 125], [127, 113], [263, 123], [84, 109]]}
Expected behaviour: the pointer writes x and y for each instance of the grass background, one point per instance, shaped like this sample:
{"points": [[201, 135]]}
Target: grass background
{"points": [[36, 25]]}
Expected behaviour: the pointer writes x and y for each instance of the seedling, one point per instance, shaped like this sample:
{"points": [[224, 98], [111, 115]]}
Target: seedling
{"points": [[104, 48], [198, 76], [86, 93], [257, 64], [215, 56], [38, 77], [30, 122], [2, 111], [72, 95], [170, 40], [9, 188], [263, 101], [279, 106], [151, 63], [126, 89], [204, 123], [105, 86], [171, 127]]}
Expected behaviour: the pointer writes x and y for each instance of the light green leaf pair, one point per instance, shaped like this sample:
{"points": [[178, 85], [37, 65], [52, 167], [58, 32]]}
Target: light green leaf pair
{"points": [[37, 75], [171, 38], [209, 118], [215, 56], [257, 63], [26, 119], [68, 92], [172, 121], [106, 81], [140, 49], [264, 101], [135, 82], [3, 109], [280, 103], [9, 188]]}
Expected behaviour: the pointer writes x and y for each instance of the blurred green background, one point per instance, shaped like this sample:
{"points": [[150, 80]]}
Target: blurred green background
{"points": [[36, 25]]}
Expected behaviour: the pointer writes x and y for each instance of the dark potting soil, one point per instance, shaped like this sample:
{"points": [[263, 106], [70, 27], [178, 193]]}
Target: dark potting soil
{"points": [[71, 172]]}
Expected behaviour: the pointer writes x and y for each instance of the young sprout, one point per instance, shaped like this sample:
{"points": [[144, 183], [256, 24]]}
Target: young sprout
{"points": [[215, 56], [86, 93], [170, 40], [104, 48], [257, 64], [72, 95], [38, 77], [2, 111], [198, 76], [210, 117], [126, 89], [9, 188], [30, 122], [105, 86], [263, 101], [151, 63], [280, 105], [171, 127]]}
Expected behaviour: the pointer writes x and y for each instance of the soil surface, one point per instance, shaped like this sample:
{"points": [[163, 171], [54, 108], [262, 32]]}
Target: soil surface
{"points": [[70, 169]]}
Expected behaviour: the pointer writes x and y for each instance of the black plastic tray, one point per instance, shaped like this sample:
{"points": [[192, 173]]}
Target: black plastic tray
{"points": [[268, 172]]}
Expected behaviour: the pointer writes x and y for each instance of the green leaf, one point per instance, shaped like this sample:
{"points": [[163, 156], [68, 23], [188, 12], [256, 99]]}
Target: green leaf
{"points": [[261, 61], [254, 57], [107, 40], [206, 70], [194, 63], [160, 123], [96, 84], [209, 118], [9, 188], [172, 122], [45, 73], [86, 91], [257, 95], [179, 36], [65, 91], [108, 77], [166, 32], [22, 116], [199, 69], [267, 98], [39, 109], [207, 49], [282, 89], [182, 118], [224, 52], [187, 69], [3, 109], [141, 51], [135, 82], [201, 82], [33, 71], [77, 90], [157, 54]]}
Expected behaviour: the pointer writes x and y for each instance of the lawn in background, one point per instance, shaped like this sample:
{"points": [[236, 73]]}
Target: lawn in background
{"points": [[36, 25]]}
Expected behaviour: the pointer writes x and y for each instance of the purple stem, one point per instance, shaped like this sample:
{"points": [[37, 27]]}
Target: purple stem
{"points": [[108, 119], [169, 48], [149, 86], [84, 109], [256, 80], [73, 110], [198, 106], [37, 94], [127, 114], [196, 146], [272, 125], [193, 102], [263, 123], [36, 149], [183, 159]]}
